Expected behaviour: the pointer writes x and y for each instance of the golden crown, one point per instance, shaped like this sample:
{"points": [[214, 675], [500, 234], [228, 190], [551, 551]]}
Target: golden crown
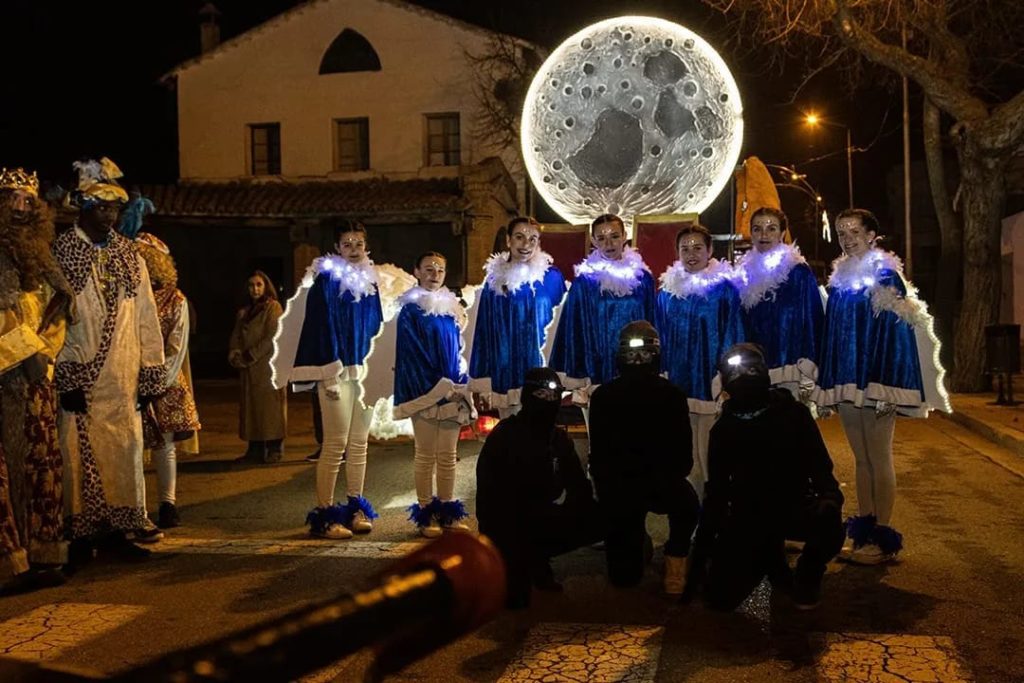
{"points": [[19, 179]]}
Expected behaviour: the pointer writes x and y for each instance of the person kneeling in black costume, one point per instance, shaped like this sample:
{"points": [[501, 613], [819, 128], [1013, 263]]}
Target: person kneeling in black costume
{"points": [[770, 478], [641, 451], [533, 499]]}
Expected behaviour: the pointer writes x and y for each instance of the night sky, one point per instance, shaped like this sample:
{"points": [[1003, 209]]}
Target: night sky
{"points": [[81, 79]]}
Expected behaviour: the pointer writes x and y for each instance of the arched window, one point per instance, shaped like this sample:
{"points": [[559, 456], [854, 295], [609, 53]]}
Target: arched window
{"points": [[349, 52]]}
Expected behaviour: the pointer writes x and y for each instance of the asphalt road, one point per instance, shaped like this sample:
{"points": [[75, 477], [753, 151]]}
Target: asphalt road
{"points": [[952, 609]]}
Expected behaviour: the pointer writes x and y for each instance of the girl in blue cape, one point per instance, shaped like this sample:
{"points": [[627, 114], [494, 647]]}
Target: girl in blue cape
{"points": [[517, 305], [326, 337], [782, 308], [431, 387], [879, 357], [698, 318], [613, 288]]}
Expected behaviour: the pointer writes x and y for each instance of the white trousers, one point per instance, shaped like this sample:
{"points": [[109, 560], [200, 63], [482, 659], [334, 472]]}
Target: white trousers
{"points": [[165, 459], [346, 428], [701, 426], [870, 437], [436, 443]]}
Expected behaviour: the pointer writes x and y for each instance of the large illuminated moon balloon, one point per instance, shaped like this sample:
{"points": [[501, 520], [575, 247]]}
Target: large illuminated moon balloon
{"points": [[632, 116]]}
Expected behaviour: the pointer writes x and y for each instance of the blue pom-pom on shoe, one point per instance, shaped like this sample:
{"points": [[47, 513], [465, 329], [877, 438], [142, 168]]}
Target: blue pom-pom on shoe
{"points": [[421, 515], [859, 529]]}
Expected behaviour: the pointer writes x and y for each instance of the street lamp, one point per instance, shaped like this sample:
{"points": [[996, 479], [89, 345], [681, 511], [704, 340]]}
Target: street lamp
{"points": [[798, 181], [813, 120]]}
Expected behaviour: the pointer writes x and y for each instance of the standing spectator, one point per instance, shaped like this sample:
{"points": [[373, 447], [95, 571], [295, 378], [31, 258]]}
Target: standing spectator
{"points": [[263, 414]]}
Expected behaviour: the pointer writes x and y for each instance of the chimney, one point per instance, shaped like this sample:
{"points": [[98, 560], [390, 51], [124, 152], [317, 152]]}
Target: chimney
{"points": [[209, 30]]}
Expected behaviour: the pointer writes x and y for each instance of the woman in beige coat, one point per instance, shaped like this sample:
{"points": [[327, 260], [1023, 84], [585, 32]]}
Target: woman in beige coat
{"points": [[263, 411]]}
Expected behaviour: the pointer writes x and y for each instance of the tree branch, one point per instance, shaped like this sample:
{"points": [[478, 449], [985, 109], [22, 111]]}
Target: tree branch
{"points": [[1004, 129], [957, 102]]}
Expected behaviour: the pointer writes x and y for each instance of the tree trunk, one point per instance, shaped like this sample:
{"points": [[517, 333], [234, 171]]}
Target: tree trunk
{"points": [[947, 289], [984, 195]]}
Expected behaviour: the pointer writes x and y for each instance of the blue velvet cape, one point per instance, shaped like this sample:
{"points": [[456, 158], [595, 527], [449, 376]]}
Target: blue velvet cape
{"points": [[788, 321], [860, 348], [510, 331], [428, 350], [695, 330], [337, 330], [588, 330]]}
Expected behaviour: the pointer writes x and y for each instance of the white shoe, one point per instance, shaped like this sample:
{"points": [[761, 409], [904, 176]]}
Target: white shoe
{"points": [[432, 530], [675, 575], [149, 533], [361, 524], [334, 532], [869, 555]]}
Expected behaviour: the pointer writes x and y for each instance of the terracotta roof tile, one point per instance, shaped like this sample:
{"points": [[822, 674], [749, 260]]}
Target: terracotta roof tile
{"points": [[305, 199]]}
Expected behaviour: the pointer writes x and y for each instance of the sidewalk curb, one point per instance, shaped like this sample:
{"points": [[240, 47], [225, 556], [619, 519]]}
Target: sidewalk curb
{"points": [[999, 436]]}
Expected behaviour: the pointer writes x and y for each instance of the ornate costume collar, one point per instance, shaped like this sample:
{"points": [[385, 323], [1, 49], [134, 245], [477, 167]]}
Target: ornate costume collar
{"points": [[441, 302], [857, 273], [618, 278], [681, 284], [116, 262], [505, 277], [761, 274], [360, 279]]}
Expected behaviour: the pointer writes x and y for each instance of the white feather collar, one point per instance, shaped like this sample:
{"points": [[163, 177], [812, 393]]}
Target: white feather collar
{"points": [[681, 284], [441, 302], [618, 278], [761, 274], [505, 277], [863, 273], [856, 273], [358, 278]]}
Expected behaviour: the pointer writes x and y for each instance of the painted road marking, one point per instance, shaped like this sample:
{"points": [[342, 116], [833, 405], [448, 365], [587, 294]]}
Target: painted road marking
{"points": [[881, 658], [47, 631], [286, 548], [587, 652]]}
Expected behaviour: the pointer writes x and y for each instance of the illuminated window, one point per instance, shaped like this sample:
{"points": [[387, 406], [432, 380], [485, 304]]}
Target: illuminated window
{"points": [[443, 140], [265, 148], [352, 144]]}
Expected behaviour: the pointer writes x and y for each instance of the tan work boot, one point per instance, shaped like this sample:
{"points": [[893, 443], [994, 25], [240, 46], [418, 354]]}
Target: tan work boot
{"points": [[675, 575]]}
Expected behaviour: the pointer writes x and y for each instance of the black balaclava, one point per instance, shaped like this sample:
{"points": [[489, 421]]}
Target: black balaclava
{"points": [[541, 398], [745, 377], [639, 351]]}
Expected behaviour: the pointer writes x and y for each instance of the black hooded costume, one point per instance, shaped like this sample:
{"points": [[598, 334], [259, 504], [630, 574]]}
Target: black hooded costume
{"points": [[533, 499], [641, 451], [770, 478]]}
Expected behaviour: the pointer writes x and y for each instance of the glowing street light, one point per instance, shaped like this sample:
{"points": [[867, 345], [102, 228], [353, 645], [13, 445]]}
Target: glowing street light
{"points": [[812, 120]]}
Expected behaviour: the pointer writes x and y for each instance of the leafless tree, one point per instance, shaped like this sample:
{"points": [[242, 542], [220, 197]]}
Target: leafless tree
{"points": [[965, 55], [502, 75]]}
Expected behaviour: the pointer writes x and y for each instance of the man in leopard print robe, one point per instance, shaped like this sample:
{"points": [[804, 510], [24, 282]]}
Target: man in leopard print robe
{"points": [[111, 365], [35, 301]]}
